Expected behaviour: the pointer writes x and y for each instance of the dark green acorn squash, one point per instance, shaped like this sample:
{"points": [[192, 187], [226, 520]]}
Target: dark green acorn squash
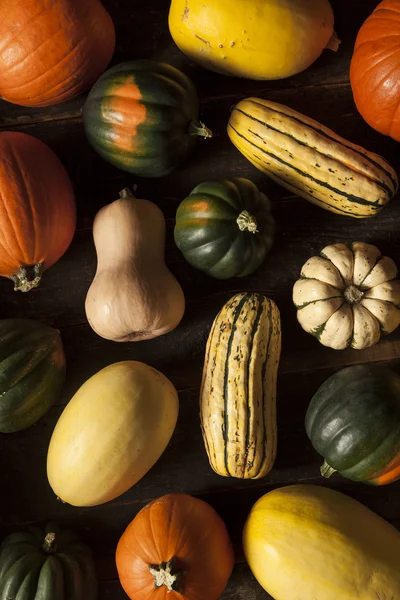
{"points": [[225, 228], [47, 564], [32, 372], [353, 421], [142, 117]]}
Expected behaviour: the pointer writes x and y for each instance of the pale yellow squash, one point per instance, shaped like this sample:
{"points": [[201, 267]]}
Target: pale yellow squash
{"points": [[256, 39], [306, 542], [111, 433]]}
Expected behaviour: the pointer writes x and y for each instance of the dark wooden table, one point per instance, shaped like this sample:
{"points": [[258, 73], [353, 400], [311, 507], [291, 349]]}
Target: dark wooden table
{"points": [[323, 92]]}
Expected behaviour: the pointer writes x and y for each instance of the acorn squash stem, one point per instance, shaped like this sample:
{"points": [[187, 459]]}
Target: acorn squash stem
{"points": [[327, 471], [49, 543], [166, 574], [247, 222], [198, 128], [28, 277]]}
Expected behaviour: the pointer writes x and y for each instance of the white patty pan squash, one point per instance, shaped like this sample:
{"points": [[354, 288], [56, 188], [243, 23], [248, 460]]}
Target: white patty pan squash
{"points": [[348, 296], [255, 39], [308, 542], [111, 433]]}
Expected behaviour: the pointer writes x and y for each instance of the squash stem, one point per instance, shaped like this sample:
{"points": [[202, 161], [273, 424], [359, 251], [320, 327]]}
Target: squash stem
{"points": [[125, 193], [247, 222], [334, 43], [327, 471], [49, 543], [166, 574], [198, 128], [28, 277], [353, 294]]}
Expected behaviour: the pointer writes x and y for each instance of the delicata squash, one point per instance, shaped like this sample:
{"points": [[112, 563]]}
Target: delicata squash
{"points": [[311, 160], [238, 391]]}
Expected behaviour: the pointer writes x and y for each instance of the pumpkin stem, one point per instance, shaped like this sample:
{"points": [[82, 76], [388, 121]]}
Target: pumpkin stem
{"points": [[28, 277], [125, 193], [49, 543], [247, 222], [166, 574], [353, 294], [327, 471], [198, 128], [334, 43]]}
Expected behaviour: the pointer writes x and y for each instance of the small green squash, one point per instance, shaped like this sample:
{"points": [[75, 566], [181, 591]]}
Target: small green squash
{"points": [[225, 228], [142, 117], [32, 372], [46, 564], [353, 421]]}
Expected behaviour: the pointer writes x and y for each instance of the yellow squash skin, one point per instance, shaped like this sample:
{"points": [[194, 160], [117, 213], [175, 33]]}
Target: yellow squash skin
{"points": [[111, 433], [304, 542], [257, 39], [310, 160], [238, 391]]}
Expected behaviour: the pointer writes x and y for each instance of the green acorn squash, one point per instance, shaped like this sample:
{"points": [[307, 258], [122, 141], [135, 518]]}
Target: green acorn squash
{"points": [[47, 564], [142, 117], [353, 421], [225, 228], [32, 372]]}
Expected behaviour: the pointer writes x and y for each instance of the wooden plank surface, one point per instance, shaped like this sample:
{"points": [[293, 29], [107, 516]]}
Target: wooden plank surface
{"points": [[323, 92]]}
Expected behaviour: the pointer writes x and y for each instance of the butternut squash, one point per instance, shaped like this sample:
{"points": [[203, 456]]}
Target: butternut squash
{"points": [[133, 296]]}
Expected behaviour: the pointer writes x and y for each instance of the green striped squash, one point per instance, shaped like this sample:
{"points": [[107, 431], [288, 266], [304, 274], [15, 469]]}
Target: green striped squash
{"points": [[238, 391], [311, 160], [46, 564], [32, 372], [142, 117]]}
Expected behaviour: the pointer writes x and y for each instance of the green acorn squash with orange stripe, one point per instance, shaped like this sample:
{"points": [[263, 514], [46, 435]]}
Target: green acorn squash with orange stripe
{"points": [[353, 422], [142, 117], [225, 228], [238, 390]]}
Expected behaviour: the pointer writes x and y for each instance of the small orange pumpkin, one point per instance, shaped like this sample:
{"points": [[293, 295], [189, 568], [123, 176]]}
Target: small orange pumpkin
{"points": [[176, 548], [375, 69], [52, 51], [37, 209]]}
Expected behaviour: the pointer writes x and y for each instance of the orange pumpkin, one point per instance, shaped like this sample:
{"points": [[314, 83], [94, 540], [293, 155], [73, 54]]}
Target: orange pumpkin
{"points": [[51, 51], [375, 69], [37, 209], [176, 548]]}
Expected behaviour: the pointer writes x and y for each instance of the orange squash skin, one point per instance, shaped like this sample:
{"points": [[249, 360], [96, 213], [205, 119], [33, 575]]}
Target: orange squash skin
{"points": [[37, 204], [52, 50], [375, 69], [182, 527]]}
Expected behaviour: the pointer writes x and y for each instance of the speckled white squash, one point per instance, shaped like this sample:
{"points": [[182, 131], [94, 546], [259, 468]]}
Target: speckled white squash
{"points": [[348, 296]]}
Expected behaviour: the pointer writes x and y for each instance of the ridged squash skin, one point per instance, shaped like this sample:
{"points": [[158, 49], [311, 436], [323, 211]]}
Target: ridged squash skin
{"points": [[111, 433], [353, 421], [32, 372], [142, 117], [305, 541], [238, 390], [310, 160], [46, 564], [225, 228], [261, 39], [348, 296]]}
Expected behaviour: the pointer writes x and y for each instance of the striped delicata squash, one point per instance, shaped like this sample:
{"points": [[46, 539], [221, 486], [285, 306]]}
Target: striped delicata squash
{"points": [[311, 160], [238, 392], [348, 296]]}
